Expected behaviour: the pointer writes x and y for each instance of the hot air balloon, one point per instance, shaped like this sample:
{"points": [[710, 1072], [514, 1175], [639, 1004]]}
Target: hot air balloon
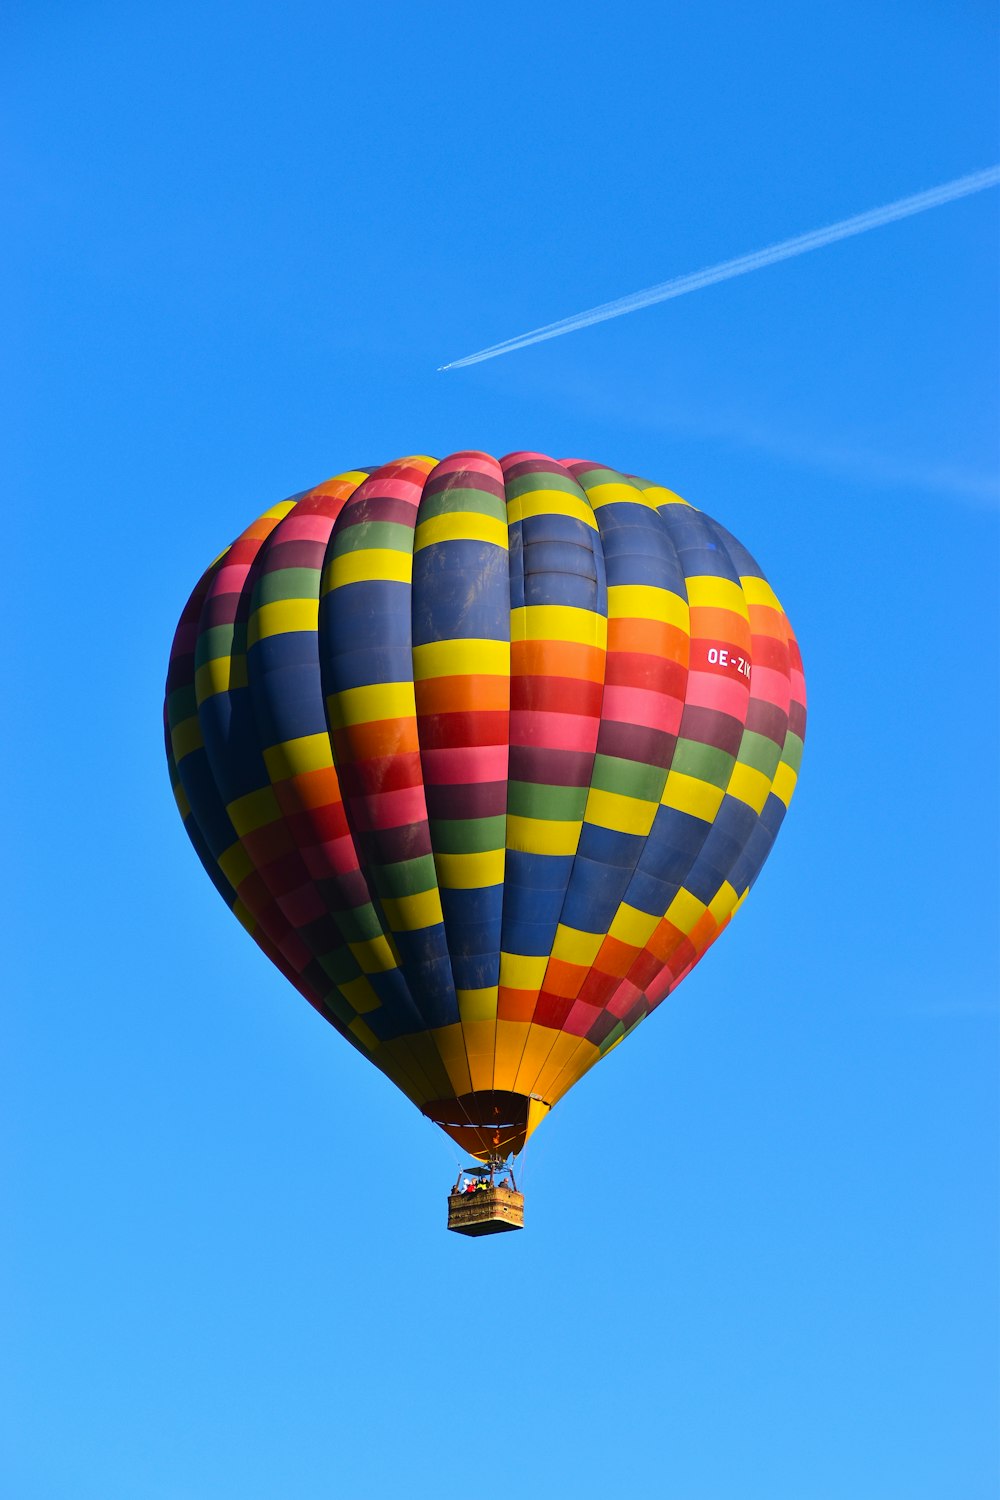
{"points": [[484, 755]]}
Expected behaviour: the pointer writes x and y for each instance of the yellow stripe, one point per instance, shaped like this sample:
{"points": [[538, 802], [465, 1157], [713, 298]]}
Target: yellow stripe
{"points": [[478, 1005], [236, 864], [706, 592], [369, 565], [470, 872], [359, 993], [282, 617], [461, 526], [784, 782], [212, 677], [542, 836], [519, 971], [759, 591], [633, 926], [662, 496], [374, 956], [640, 601], [685, 911], [614, 492], [410, 913], [367, 705], [749, 785], [278, 512], [180, 797], [253, 811], [690, 795], [558, 622], [723, 903], [574, 946], [185, 737], [461, 658], [619, 812], [309, 752], [550, 503], [364, 1034], [244, 917]]}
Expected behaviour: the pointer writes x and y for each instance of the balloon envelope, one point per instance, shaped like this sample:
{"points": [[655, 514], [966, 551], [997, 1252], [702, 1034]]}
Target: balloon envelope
{"points": [[484, 755]]}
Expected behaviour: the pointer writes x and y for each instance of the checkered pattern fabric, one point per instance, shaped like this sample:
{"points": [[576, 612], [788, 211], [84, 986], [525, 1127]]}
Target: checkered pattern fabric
{"points": [[484, 755]]}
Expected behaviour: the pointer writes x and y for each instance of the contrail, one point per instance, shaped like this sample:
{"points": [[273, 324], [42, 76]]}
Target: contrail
{"points": [[800, 244]]}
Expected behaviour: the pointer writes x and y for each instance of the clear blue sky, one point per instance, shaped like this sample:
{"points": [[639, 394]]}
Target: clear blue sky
{"points": [[761, 1253]]}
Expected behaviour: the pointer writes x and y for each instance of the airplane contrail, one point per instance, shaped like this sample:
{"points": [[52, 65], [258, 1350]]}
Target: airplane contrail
{"points": [[800, 244]]}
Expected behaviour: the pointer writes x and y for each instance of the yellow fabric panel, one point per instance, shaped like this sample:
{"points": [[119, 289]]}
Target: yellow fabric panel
{"points": [[254, 810], [470, 872], [277, 512], [537, 1047], [622, 813], [359, 993], [689, 795], [542, 835], [510, 1039], [616, 493], [410, 913], [181, 801], [212, 677], [660, 495], [374, 955], [423, 1053], [749, 785], [385, 564], [570, 1057], [784, 782], [309, 752], [461, 526], [238, 672], [640, 601], [461, 658], [480, 1039], [537, 1110], [369, 705], [576, 947], [685, 911], [707, 592], [633, 926], [559, 622], [550, 503], [244, 917], [758, 591], [364, 1034], [723, 903], [236, 864], [185, 738], [478, 1005], [452, 1059], [283, 617], [522, 971]]}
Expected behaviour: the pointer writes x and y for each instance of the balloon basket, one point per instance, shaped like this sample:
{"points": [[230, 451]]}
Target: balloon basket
{"points": [[491, 1210]]}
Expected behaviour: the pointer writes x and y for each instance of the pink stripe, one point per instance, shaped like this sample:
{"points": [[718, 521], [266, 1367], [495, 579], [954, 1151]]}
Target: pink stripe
{"points": [[633, 705], [580, 1019], [304, 526], [390, 809], [388, 488], [468, 763], [770, 686], [470, 462], [712, 690], [623, 998], [550, 731]]}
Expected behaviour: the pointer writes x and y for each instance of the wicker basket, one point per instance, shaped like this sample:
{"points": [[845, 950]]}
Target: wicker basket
{"points": [[486, 1211]]}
